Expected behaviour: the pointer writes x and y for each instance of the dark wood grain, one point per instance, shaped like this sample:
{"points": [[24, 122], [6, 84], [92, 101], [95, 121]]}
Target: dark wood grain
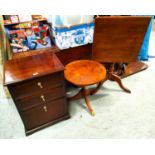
{"points": [[119, 38], [65, 56], [133, 68], [77, 53], [29, 67], [38, 116], [40, 98], [32, 87]]}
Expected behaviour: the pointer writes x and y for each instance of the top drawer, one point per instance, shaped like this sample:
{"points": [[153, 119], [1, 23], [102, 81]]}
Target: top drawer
{"points": [[30, 87]]}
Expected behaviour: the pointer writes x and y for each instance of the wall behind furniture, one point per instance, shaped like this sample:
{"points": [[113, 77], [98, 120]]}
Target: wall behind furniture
{"points": [[69, 20]]}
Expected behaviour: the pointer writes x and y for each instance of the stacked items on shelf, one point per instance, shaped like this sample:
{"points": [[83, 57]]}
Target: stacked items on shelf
{"points": [[15, 19], [28, 35]]}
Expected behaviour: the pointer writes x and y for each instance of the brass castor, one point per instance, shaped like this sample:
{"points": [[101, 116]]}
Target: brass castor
{"points": [[93, 113]]}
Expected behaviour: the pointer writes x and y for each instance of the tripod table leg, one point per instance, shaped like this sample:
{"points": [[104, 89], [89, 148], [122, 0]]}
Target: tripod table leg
{"points": [[118, 80], [87, 102]]}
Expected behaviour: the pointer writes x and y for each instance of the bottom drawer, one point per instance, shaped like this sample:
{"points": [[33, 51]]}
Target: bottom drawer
{"points": [[45, 113]]}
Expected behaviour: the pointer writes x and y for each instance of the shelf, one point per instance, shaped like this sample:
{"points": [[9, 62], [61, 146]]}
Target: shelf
{"points": [[36, 20], [19, 55], [25, 37]]}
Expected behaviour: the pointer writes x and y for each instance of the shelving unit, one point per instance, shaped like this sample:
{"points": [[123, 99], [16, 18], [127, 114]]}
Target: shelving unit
{"points": [[28, 36], [36, 20]]}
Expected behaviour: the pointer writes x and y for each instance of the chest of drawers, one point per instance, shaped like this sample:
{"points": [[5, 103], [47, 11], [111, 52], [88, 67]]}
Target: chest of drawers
{"points": [[36, 84]]}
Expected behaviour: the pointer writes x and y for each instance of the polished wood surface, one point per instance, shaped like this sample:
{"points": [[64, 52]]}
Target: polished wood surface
{"points": [[77, 53], [133, 68], [116, 40], [40, 98], [42, 106], [65, 56], [43, 114], [29, 67], [119, 38], [37, 85], [114, 77], [53, 49], [40, 101], [84, 72], [81, 53]]}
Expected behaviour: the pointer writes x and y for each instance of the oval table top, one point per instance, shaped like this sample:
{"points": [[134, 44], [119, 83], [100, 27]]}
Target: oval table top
{"points": [[84, 72]]}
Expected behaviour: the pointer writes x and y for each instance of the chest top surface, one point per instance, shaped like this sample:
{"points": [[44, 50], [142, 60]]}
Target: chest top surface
{"points": [[17, 70]]}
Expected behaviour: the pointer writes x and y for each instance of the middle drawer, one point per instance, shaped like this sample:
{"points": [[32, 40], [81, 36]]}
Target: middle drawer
{"points": [[40, 98]]}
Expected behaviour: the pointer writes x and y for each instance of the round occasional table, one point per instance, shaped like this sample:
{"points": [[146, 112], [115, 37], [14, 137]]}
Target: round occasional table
{"points": [[83, 73]]}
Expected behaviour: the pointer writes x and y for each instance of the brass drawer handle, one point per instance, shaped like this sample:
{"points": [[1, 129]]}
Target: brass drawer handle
{"points": [[45, 108], [43, 98], [39, 84]]}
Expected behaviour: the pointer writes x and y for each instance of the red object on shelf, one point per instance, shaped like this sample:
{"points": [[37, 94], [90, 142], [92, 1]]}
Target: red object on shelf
{"points": [[35, 29]]}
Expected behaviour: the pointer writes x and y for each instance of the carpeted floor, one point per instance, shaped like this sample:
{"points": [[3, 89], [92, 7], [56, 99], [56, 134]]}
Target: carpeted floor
{"points": [[118, 114]]}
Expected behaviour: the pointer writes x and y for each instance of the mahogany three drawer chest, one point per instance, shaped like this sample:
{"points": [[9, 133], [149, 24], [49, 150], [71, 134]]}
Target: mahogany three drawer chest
{"points": [[36, 84]]}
